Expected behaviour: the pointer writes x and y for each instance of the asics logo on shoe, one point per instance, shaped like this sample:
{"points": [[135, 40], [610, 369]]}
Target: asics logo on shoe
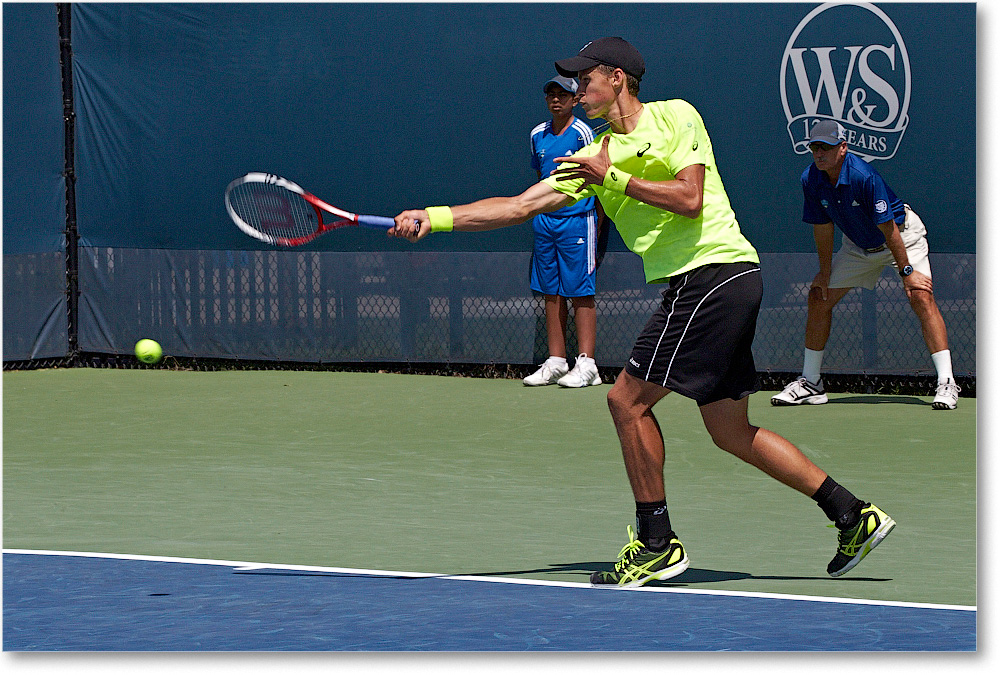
{"points": [[856, 543]]}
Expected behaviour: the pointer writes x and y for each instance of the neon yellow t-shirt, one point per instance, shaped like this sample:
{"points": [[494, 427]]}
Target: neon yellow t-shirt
{"points": [[669, 137]]}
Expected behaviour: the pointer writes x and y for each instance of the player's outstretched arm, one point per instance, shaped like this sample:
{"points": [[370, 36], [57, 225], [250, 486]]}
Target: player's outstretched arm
{"points": [[486, 214]]}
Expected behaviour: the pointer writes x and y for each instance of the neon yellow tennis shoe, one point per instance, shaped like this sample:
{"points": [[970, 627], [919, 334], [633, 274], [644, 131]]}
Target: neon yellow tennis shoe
{"points": [[854, 544], [637, 564]]}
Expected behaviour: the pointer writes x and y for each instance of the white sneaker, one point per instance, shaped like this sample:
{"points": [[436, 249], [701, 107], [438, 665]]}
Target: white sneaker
{"points": [[801, 391], [946, 396], [549, 373], [584, 373]]}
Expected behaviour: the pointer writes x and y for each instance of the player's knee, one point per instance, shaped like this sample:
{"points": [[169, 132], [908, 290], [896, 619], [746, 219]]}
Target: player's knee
{"points": [[621, 404], [735, 438], [614, 401], [922, 302], [816, 302]]}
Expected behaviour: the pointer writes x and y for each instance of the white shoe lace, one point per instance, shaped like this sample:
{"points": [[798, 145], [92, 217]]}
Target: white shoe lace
{"points": [[799, 387], [582, 372], [545, 372], [949, 389]]}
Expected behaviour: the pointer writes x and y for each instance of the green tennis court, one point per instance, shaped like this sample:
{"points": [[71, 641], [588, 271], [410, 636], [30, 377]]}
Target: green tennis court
{"points": [[457, 475]]}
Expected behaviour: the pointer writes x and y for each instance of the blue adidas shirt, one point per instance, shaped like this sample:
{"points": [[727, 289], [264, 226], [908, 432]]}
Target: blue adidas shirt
{"points": [[857, 204], [546, 146]]}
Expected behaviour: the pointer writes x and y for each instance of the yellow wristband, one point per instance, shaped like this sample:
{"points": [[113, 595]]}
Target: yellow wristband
{"points": [[616, 180], [441, 219]]}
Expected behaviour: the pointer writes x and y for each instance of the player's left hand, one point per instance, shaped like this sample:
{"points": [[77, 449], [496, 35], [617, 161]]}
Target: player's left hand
{"points": [[917, 282], [591, 169]]}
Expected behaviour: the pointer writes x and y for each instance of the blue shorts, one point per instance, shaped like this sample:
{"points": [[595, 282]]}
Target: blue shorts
{"points": [[564, 260]]}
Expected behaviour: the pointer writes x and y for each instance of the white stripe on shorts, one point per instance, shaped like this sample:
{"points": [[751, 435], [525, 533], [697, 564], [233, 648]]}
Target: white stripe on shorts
{"points": [[591, 241], [678, 347], [666, 325]]}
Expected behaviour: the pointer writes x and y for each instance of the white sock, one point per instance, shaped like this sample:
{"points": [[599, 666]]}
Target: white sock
{"points": [[557, 361], [942, 363], [585, 359], [811, 364]]}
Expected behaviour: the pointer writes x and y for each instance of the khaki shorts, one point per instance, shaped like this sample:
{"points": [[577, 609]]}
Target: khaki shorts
{"points": [[853, 268]]}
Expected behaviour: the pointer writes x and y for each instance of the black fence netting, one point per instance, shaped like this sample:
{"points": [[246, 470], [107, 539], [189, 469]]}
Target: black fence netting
{"points": [[469, 313]]}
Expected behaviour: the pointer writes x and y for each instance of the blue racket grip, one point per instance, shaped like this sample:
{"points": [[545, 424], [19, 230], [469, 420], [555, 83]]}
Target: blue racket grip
{"points": [[377, 222]]}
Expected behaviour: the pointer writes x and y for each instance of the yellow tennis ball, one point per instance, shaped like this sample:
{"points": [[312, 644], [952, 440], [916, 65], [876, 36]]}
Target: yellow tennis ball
{"points": [[148, 351]]}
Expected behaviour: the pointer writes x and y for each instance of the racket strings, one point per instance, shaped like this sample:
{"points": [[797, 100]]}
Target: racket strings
{"points": [[274, 211]]}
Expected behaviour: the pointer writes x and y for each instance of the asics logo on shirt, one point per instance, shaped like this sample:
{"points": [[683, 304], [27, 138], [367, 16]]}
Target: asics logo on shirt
{"points": [[644, 149]]}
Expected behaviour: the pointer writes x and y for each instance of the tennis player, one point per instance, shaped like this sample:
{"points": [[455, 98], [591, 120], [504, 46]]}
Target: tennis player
{"points": [[655, 174], [564, 255]]}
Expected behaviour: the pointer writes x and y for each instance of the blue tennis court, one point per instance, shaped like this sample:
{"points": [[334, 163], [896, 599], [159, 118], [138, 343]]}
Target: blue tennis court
{"points": [[76, 603]]}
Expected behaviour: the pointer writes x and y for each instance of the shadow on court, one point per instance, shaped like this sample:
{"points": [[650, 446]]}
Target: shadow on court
{"points": [[875, 399], [692, 575]]}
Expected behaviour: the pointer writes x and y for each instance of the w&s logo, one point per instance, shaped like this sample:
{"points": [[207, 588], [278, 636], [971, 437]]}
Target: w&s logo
{"points": [[847, 62]]}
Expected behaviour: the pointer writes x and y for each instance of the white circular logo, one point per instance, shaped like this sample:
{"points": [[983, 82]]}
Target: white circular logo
{"points": [[848, 63]]}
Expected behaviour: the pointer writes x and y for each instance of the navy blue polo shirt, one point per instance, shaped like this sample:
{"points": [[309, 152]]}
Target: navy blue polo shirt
{"points": [[857, 204]]}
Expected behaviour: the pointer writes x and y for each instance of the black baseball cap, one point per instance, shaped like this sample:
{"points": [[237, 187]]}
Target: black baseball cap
{"points": [[606, 51]]}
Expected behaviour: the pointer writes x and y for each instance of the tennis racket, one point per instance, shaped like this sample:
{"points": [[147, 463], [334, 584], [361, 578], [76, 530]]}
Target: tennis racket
{"points": [[277, 211]]}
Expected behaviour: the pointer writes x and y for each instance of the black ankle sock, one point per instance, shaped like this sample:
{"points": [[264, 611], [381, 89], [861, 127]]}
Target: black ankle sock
{"points": [[839, 505], [653, 524]]}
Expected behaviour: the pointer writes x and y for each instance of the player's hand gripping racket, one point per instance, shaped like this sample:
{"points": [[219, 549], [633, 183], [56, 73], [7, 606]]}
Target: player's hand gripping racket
{"points": [[278, 211]]}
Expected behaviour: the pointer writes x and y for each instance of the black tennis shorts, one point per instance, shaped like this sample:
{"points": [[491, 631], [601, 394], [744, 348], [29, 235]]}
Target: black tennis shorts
{"points": [[698, 341]]}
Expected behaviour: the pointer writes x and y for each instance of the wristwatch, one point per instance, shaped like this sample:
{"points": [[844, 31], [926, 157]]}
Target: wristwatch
{"points": [[906, 271]]}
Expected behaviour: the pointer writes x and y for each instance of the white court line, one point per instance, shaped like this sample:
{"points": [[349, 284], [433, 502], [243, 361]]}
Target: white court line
{"points": [[241, 566]]}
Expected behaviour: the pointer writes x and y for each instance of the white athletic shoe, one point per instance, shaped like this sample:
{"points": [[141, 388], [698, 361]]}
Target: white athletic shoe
{"points": [[584, 373], [946, 396], [549, 373], [801, 391]]}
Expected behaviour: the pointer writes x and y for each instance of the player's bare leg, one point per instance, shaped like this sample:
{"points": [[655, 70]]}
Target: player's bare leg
{"points": [[730, 429], [654, 552], [820, 316], [936, 337], [585, 316], [931, 322], [631, 402], [556, 316]]}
